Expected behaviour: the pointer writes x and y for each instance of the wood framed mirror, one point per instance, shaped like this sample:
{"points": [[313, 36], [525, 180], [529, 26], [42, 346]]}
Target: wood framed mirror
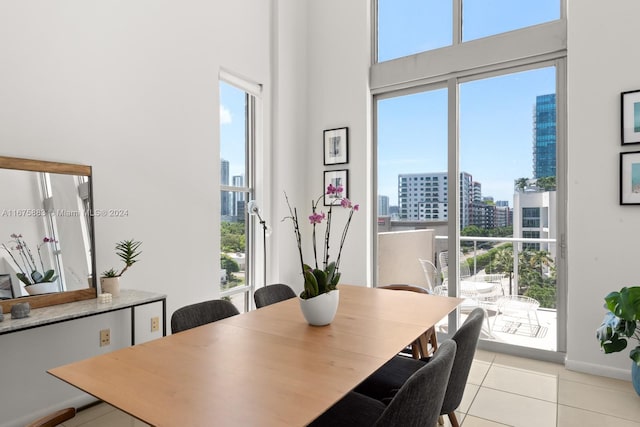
{"points": [[46, 233]]}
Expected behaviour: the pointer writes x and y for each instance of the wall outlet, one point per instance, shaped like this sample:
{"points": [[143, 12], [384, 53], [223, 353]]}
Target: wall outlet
{"points": [[105, 337], [155, 324]]}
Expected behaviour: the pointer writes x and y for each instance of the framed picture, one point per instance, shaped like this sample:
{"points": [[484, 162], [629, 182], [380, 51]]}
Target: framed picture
{"points": [[630, 178], [336, 146], [338, 178], [630, 108]]}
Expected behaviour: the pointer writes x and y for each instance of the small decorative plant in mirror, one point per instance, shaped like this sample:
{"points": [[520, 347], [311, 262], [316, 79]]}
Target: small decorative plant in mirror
{"points": [[32, 271], [127, 251]]}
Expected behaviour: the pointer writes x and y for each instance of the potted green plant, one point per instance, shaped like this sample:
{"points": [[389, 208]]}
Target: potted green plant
{"points": [[620, 325], [32, 272], [319, 299], [127, 251]]}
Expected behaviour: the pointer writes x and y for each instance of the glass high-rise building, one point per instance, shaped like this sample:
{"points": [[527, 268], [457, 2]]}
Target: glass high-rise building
{"points": [[544, 148], [383, 205], [225, 197]]}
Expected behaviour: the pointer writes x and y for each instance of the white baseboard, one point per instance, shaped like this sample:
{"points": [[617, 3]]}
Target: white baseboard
{"points": [[602, 370]]}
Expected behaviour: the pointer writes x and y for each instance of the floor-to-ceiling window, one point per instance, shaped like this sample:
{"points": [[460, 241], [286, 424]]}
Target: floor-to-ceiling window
{"points": [[469, 145], [237, 141]]}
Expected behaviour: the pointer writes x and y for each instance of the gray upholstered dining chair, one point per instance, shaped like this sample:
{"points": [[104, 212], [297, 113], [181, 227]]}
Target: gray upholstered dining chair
{"points": [[391, 376], [53, 419], [201, 313], [272, 294], [417, 403]]}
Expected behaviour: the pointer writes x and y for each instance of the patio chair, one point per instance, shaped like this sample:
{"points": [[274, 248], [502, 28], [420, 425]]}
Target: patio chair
{"points": [[430, 273], [479, 290], [518, 306], [466, 276]]}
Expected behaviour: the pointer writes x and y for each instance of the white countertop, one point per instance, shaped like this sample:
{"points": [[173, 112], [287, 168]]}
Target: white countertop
{"points": [[73, 310]]}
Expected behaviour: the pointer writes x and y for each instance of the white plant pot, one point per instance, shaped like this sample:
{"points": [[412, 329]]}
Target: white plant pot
{"points": [[320, 310], [110, 285], [43, 288]]}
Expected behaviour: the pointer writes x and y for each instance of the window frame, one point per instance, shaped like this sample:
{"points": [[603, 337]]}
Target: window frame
{"points": [[519, 50], [252, 98]]}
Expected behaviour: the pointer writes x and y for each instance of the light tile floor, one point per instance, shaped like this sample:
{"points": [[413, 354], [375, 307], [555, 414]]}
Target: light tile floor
{"points": [[502, 390]]}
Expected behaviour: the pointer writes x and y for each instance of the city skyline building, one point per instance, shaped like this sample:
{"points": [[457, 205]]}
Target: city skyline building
{"points": [[425, 197], [225, 197], [383, 205], [237, 198], [544, 135]]}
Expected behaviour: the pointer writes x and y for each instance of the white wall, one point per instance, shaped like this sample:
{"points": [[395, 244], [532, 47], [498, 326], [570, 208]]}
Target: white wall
{"points": [[290, 151], [338, 96], [602, 235], [131, 88]]}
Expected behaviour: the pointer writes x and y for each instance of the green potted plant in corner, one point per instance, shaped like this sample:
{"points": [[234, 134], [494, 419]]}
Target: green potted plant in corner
{"points": [[127, 251], [319, 299], [620, 325]]}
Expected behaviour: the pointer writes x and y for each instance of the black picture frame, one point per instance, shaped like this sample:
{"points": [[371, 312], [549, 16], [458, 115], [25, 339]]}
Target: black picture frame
{"points": [[337, 178], [630, 117], [336, 146], [630, 178]]}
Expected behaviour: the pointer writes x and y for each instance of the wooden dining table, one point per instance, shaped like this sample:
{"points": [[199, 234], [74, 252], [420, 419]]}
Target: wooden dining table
{"points": [[267, 367]]}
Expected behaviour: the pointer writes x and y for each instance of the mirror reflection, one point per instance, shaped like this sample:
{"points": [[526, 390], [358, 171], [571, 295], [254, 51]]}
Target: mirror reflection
{"points": [[45, 230]]}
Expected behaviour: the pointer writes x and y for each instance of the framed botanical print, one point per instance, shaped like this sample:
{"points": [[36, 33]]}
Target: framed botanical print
{"points": [[338, 178], [336, 146]]}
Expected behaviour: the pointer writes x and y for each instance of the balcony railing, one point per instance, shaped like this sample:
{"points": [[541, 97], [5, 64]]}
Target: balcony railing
{"points": [[479, 247]]}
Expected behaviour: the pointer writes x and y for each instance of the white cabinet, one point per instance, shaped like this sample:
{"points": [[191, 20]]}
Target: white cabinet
{"points": [[57, 335]]}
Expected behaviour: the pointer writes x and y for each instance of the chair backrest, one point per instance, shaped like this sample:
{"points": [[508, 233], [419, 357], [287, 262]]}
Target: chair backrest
{"points": [[420, 398], [443, 260], [201, 313], [272, 294], [403, 287], [466, 337], [430, 273], [55, 418]]}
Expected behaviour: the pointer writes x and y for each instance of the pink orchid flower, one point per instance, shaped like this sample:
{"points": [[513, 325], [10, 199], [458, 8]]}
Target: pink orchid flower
{"points": [[316, 218], [331, 189]]}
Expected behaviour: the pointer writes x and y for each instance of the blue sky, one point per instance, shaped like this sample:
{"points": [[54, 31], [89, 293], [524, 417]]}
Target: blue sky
{"points": [[496, 115], [232, 128]]}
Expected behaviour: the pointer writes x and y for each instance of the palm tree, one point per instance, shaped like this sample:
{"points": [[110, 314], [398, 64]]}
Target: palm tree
{"points": [[546, 183], [521, 183], [539, 260], [503, 261]]}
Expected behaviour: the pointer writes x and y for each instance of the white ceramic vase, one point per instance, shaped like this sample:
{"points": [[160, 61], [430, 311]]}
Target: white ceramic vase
{"points": [[320, 310], [42, 288], [110, 285]]}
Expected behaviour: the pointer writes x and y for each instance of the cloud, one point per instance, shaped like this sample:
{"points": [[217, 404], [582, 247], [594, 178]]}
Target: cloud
{"points": [[225, 115]]}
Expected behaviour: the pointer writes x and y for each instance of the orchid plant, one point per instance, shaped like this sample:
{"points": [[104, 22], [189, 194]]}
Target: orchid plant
{"points": [[325, 275], [26, 262]]}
